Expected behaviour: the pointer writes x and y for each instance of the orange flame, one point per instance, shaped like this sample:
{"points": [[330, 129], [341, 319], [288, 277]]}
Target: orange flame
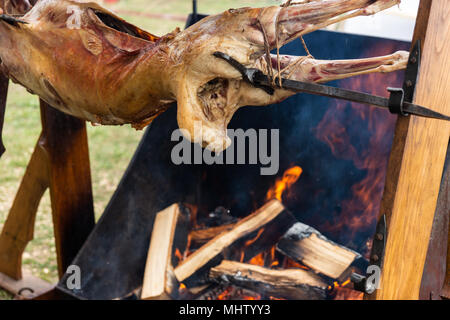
{"points": [[178, 255], [257, 260], [290, 176], [289, 264]]}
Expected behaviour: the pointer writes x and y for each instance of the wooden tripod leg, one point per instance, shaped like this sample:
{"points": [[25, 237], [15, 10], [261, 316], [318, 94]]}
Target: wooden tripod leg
{"points": [[19, 226], [4, 81], [416, 163], [65, 142], [445, 292]]}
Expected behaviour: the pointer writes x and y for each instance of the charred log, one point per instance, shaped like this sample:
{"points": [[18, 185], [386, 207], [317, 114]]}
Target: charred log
{"points": [[295, 284], [257, 232], [308, 246]]}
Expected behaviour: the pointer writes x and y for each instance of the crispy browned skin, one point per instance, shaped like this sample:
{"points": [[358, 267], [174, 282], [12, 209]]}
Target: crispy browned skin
{"points": [[73, 61], [72, 56]]}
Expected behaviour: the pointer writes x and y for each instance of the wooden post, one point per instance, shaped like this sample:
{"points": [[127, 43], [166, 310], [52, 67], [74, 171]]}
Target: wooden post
{"points": [[64, 139], [417, 160], [4, 81], [445, 293], [19, 226], [60, 161]]}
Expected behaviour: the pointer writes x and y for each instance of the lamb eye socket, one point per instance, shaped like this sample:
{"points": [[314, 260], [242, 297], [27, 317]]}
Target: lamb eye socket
{"points": [[213, 82]]}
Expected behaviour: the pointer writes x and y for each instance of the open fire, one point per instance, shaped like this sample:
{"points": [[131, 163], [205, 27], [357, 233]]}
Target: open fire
{"points": [[266, 255], [240, 234]]}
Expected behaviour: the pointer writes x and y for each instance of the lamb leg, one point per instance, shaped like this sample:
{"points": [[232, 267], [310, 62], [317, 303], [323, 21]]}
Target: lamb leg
{"points": [[282, 25], [312, 70]]}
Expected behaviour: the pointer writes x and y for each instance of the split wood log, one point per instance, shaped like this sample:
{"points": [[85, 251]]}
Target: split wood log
{"points": [[297, 284], [308, 246], [254, 234], [169, 233]]}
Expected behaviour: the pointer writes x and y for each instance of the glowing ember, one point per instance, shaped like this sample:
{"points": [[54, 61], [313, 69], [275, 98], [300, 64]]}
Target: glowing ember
{"points": [[251, 241], [269, 258], [258, 260], [178, 255], [290, 176], [339, 291], [233, 293]]}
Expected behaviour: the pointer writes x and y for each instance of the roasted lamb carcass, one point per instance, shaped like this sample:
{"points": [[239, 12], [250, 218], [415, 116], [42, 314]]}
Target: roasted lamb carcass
{"points": [[86, 61]]}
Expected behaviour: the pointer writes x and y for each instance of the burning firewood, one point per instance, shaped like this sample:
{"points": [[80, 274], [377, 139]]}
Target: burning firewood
{"points": [[228, 292], [295, 284], [201, 236], [85, 61], [308, 246], [253, 234], [169, 232]]}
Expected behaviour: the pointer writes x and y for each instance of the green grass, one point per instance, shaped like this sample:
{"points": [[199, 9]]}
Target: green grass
{"points": [[111, 148], [5, 295], [178, 7]]}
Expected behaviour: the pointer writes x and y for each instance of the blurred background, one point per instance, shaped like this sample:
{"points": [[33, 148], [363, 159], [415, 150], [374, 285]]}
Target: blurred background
{"points": [[111, 148]]}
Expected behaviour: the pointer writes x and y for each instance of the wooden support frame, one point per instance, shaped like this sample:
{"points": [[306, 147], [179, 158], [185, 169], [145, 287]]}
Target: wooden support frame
{"points": [[19, 227], [417, 160], [435, 268], [64, 139], [60, 161]]}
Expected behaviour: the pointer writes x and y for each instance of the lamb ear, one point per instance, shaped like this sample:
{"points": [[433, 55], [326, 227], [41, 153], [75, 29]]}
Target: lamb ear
{"points": [[193, 122]]}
